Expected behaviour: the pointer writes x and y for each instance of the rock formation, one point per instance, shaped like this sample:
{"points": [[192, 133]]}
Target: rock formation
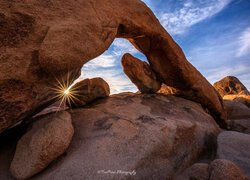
{"points": [[140, 74], [45, 41], [87, 91], [48, 138], [155, 135], [230, 85]]}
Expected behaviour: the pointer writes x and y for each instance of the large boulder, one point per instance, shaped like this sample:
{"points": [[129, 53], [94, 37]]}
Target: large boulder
{"points": [[140, 74], [230, 85], [143, 136], [44, 44], [86, 91], [48, 138], [238, 115], [235, 146], [236, 110]]}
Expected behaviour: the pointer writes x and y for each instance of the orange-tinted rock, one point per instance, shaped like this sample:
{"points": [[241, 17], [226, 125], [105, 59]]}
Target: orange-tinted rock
{"points": [[141, 74], [230, 85], [168, 90], [41, 41], [86, 91]]}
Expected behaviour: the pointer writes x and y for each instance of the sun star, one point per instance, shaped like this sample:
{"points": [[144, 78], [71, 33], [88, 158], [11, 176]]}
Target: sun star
{"points": [[66, 92]]}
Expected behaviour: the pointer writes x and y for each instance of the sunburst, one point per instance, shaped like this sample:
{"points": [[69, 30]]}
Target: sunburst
{"points": [[65, 91]]}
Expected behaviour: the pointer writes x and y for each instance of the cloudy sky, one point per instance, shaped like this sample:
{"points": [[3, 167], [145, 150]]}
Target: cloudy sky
{"points": [[214, 34]]}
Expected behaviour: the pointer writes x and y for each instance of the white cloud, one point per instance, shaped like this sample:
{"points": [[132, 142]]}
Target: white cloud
{"points": [[244, 43], [191, 13], [103, 61], [122, 46]]}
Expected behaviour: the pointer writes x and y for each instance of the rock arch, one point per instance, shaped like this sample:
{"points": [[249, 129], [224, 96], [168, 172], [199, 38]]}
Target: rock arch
{"points": [[55, 38]]}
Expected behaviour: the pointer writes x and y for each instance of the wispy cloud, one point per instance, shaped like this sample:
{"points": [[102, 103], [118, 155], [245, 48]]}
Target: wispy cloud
{"points": [[191, 13], [244, 43], [103, 61], [120, 46]]}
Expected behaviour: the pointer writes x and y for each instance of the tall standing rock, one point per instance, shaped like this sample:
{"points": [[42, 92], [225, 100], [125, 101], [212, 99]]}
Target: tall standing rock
{"points": [[41, 41], [140, 74]]}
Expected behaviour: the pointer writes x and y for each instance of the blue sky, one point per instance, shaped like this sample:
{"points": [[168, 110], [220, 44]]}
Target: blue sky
{"points": [[214, 35]]}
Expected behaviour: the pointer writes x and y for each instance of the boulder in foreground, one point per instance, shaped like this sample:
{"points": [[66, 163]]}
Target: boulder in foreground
{"points": [[48, 138]]}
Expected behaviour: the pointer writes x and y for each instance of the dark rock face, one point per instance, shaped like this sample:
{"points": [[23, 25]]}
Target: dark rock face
{"points": [[42, 41], [230, 85], [155, 136]]}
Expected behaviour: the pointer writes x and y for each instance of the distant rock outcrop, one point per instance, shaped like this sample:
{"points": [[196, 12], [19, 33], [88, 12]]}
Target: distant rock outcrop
{"points": [[168, 90], [86, 91], [42, 42], [48, 138], [230, 85], [141, 74]]}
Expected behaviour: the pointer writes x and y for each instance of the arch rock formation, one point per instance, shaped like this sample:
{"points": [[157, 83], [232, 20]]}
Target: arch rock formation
{"points": [[43, 41]]}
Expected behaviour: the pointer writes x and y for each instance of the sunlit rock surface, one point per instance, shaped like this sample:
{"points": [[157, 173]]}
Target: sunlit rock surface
{"points": [[230, 85]]}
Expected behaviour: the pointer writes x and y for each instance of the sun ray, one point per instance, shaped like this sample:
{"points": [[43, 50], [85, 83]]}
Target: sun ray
{"points": [[64, 91]]}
